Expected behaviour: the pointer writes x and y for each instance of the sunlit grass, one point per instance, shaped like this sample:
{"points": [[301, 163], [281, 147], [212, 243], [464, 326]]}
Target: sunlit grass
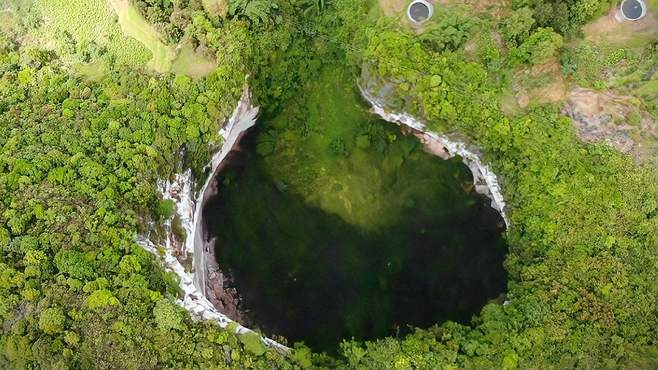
{"points": [[91, 21], [347, 162], [134, 25]]}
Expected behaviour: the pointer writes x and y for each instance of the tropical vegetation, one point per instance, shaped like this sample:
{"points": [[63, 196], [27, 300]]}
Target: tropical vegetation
{"points": [[87, 130]]}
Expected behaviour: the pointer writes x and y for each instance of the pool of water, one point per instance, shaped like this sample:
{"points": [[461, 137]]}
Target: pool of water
{"points": [[333, 225]]}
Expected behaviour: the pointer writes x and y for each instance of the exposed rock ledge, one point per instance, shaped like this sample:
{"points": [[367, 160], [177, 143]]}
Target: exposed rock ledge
{"points": [[485, 181], [188, 206]]}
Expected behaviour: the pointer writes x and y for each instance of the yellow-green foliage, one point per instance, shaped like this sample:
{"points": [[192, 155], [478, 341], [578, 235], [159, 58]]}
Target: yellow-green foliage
{"points": [[90, 21], [215, 7]]}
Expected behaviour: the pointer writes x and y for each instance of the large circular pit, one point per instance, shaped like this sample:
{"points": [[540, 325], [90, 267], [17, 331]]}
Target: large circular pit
{"points": [[332, 225]]}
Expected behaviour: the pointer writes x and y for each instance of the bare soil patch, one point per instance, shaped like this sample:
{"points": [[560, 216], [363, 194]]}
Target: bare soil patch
{"points": [[621, 34], [605, 116], [392, 7], [539, 84]]}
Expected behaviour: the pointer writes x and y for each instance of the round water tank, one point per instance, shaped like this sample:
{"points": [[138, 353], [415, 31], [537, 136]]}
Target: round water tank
{"points": [[633, 10], [420, 11]]}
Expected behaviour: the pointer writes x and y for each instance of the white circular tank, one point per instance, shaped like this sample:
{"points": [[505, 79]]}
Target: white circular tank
{"points": [[633, 10], [419, 11]]}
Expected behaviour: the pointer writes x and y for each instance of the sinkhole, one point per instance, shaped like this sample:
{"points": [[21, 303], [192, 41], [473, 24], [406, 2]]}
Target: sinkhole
{"points": [[330, 224]]}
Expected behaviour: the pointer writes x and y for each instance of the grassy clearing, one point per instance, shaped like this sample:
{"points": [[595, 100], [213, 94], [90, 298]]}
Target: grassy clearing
{"points": [[93, 71], [8, 21], [134, 25], [131, 41], [615, 55], [606, 30], [88, 21], [392, 7], [191, 63]]}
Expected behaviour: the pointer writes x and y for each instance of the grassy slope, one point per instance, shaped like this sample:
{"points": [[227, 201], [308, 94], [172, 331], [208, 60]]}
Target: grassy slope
{"points": [[134, 25], [133, 41], [191, 63], [87, 21]]}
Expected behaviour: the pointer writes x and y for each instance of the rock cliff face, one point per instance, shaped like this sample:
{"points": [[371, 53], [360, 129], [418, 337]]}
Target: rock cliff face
{"points": [[485, 181], [188, 205]]}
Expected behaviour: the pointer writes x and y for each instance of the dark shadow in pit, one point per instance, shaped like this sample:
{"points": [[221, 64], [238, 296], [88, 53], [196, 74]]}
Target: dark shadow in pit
{"points": [[309, 276]]}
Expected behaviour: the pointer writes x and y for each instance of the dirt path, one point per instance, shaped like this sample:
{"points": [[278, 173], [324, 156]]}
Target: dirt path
{"points": [[392, 7], [621, 34]]}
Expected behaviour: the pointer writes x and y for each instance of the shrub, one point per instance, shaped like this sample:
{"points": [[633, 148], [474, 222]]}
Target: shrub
{"points": [[51, 320], [167, 315], [253, 343], [539, 47]]}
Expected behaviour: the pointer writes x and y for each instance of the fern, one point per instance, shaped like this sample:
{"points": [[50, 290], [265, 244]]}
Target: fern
{"points": [[449, 32], [257, 11], [312, 6]]}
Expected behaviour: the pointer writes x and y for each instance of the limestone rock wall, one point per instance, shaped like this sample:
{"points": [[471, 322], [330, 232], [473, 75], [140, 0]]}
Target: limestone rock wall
{"points": [[189, 208]]}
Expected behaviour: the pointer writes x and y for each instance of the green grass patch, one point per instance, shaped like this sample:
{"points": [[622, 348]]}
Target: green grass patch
{"points": [[191, 63], [134, 25], [648, 89], [94, 71], [89, 23]]}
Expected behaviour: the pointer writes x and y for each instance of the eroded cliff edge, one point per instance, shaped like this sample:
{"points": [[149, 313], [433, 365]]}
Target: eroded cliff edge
{"points": [[484, 179], [194, 246]]}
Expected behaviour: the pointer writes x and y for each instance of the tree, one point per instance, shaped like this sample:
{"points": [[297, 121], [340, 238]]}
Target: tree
{"points": [[516, 27], [101, 298], [167, 315], [51, 320], [74, 264], [539, 47]]}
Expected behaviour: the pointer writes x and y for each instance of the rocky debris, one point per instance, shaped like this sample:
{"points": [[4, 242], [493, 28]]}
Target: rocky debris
{"points": [[614, 119], [220, 291], [430, 145]]}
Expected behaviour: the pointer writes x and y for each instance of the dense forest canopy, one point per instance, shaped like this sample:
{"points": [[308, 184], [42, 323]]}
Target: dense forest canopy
{"points": [[92, 116]]}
